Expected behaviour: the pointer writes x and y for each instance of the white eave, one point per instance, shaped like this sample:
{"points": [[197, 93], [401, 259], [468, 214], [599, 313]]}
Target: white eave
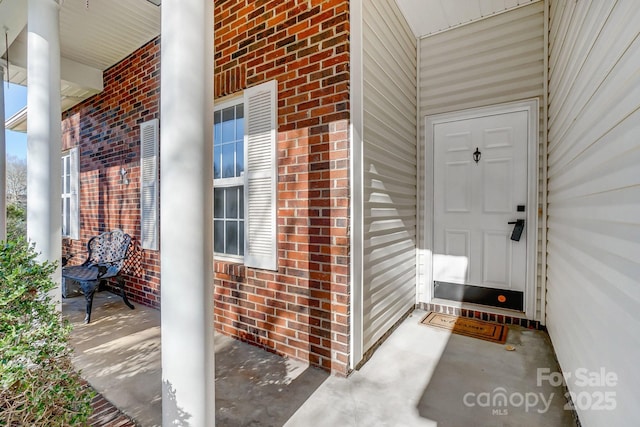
{"points": [[429, 17], [17, 122]]}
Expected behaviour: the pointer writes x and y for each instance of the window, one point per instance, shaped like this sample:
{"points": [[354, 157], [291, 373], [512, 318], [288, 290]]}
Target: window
{"points": [[245, 178], [228, 179], [70, 214]]}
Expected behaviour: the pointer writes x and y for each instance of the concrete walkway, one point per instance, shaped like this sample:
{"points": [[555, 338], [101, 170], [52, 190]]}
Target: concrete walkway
{"points": [[419, 377], [118, 353]]}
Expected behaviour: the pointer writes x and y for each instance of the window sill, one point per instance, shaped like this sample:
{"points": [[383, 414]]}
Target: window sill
{"points": [[229, 268]]}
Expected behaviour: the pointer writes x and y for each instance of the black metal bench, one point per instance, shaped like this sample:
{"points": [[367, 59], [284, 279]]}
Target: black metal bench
{"points": [[106, 254]]}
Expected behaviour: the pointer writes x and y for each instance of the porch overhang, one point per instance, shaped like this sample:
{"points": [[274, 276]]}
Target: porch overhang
{"points": [[97, 35], [94, 36]]}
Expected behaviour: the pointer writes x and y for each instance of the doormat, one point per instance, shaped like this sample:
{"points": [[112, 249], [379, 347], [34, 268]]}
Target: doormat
{"points": [[474, 328]]}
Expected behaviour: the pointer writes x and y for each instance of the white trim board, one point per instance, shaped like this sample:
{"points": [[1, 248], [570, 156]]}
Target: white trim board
{"points": [[356, 344]]}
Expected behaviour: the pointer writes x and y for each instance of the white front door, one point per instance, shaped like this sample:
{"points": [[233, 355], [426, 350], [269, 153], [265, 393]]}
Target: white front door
{"points": [[480, 189]]}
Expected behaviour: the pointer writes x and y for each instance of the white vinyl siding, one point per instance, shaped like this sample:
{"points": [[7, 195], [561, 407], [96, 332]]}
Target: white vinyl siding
{"points": [[496, 60], [149, 184], [389, 167], [593, 262], [70, 194], [260, 177]]}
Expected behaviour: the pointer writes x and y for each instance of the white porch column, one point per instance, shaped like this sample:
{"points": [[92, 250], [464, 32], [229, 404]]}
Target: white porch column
{"points": [[186, 179], [43, 130], [3, 164]]}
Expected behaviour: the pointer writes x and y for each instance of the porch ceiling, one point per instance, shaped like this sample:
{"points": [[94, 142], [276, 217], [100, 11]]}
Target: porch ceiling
{"points": [[94, 35], [97, 34], [100, 33], [427, 17]]}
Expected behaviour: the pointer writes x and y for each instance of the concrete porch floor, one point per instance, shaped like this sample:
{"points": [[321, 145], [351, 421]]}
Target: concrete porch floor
{"points": [[420, 376]]}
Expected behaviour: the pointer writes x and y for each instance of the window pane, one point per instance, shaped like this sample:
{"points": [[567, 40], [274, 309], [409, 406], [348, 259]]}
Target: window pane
{"points": [[232, 238], [218, 202], [239, 158], [218, 236], [231, 207], [67, 218], [228, 132], [217, 159], [228, 125], [228, 114], [241, 237], [65, 174], [241, 202], [239, 128], [228, 160], [217, 133], [64, 226]]}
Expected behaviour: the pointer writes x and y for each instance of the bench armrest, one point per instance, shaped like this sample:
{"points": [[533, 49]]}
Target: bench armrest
{"points": [[103, 267], [66, 258]]}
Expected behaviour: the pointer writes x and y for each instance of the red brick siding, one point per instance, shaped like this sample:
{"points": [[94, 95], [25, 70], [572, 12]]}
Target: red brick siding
{"points": [[106, 129], [302, 310]]}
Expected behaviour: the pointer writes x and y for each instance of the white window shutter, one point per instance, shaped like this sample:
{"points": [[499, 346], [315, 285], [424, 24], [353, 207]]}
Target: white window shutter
{"points": [[260, 177], [74, 202], [149, 184]]}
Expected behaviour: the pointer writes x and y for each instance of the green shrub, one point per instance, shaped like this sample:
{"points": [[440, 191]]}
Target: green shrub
{"points": [[38, 385], [16, 222]]}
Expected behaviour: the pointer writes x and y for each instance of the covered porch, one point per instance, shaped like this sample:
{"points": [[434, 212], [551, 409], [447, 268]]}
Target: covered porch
{"points": [[420, 376], [586, 195]]}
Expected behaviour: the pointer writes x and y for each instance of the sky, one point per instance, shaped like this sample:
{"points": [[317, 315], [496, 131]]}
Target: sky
{"points": [[15, 98]]}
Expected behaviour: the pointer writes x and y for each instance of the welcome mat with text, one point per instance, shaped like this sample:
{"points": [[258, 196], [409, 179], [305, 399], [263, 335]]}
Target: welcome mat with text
{"points": [[474, 328]]}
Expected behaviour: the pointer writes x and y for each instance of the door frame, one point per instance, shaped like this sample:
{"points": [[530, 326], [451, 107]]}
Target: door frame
{"points": [[530, 106]]}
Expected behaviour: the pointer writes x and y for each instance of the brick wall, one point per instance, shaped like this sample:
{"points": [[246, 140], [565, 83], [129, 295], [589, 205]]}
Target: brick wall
{"points": [[302, 310], [106, 129]]}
